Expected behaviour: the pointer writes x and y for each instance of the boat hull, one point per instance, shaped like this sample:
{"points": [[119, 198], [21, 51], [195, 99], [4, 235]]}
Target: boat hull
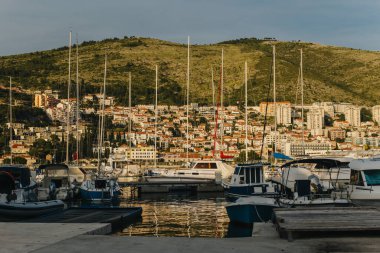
{"points": [[248, 213], [29, 209], [164, 179], [98, 195]]}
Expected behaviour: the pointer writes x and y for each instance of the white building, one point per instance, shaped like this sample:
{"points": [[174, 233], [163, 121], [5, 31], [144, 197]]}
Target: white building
{"points": [[328, 107], [284, 114], [299, 149], [352, 115], [376, 113], [141, 154], [315, 118], [341, 107]]}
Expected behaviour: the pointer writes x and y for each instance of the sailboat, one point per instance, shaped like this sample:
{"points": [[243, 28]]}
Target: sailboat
{"points": [[198, 171], [58, 180], [103, 186], [248, 178]]}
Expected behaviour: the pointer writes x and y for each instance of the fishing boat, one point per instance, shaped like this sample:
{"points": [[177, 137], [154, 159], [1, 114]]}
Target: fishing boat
{"points": [[364, 186], [247, 210], [18, 202], [248, 180], [200, 171]]}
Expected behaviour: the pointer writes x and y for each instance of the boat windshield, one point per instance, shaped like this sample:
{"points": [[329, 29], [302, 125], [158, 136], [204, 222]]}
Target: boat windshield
{"points": [[372, 177], [206, 166], [57, 173]]}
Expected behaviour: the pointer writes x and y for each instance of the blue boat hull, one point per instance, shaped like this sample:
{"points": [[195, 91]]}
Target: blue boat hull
{"points": [[248, 214], [98, 195]]}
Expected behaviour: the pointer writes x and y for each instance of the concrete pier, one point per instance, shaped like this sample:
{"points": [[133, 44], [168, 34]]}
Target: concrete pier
{"points": [[27, 237], [63, 238]]}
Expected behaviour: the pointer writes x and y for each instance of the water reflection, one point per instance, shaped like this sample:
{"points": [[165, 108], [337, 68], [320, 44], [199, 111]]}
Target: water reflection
{"points": [[201, 215]]}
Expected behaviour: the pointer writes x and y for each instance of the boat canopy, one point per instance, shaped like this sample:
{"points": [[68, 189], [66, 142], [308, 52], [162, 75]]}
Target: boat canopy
{"points": [[321, 162], [7, 183], [365, 164], [53, 167], [19, 173]]}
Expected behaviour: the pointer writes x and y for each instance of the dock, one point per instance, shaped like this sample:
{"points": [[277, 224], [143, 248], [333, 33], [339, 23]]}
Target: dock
{"points": [[163, 187], [118, 217], [48, 238], [294, 223]]}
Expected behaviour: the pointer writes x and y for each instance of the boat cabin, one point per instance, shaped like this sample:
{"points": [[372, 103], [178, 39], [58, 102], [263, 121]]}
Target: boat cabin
{"points": [[55, 174], [204, 165], [247, 174], [365, 172]]}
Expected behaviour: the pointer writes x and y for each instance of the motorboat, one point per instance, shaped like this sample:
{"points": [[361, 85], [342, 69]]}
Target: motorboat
{"points": [[248, 180], [56, 183], [247, 210], [198, 172], [20, 203], [100, 188], [364, 186], [332, 173]]}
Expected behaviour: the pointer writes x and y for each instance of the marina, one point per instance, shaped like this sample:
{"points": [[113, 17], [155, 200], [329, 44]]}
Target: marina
{"points": [[114, 141]]}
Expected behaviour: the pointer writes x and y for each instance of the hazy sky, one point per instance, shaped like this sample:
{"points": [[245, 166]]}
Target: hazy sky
{"points": [[30, 25]]}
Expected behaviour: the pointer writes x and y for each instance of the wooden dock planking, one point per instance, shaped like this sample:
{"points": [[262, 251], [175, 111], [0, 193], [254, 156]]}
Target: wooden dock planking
{"points": [[298, 221]]}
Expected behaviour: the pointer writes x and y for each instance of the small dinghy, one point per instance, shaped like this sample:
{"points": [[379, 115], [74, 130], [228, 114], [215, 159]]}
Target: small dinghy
{"points": [[18, 203]]}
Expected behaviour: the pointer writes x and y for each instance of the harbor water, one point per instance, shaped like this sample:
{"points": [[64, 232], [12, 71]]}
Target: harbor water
{"points": [[183, 215]]}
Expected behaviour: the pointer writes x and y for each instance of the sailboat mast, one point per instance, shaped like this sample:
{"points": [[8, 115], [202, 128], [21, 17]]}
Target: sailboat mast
{"points": [[10, 119], [221, 104], [130, 110], [155, 121], [302, 109], [77, 111], [274, 98], [68, 104], [102, 113], [213, 91], [187, 99], [246, 111]]}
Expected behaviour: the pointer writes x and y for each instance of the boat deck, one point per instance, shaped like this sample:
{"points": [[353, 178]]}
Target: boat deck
{"points": [[165, 187], [117, 217], [315, 222]]}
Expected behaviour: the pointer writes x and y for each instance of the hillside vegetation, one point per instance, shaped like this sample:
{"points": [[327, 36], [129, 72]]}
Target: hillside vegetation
{"points": [[330, 73]]}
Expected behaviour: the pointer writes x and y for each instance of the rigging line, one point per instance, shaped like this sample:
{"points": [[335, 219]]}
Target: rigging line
{"points": [[266, 110]]}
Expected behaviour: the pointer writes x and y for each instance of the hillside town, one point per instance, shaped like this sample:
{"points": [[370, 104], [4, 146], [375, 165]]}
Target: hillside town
{"points": [[329, 128]]}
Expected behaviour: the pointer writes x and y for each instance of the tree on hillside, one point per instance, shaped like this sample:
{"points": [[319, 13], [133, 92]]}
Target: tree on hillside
{"points": [[252, 156], [16, 160], [365, 114]]}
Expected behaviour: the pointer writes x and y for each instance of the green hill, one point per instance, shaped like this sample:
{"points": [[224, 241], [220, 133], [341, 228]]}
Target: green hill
{"points": [[330, 73]]}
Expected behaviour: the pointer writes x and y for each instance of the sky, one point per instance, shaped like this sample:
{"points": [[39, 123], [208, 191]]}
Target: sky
{"points": [[35, 25]]}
